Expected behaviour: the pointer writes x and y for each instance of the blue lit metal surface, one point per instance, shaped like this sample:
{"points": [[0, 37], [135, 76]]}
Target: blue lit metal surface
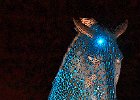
{"points": [[87, 71]]}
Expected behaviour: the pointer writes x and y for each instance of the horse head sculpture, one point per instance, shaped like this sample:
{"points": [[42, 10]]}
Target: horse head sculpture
{"points": [[91, 67]]}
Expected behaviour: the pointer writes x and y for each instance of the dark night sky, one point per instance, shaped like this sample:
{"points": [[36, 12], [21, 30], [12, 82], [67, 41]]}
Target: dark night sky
{"points": [[35, 34]]}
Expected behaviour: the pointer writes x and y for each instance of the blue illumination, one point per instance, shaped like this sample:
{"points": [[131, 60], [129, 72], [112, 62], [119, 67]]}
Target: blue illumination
{"points": [[88, 70], [100, 41]]}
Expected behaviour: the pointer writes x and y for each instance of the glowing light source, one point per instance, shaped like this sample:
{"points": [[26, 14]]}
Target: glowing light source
{"points": [[100, 41]]}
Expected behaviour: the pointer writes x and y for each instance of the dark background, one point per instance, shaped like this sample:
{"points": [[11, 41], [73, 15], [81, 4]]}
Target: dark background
{"points": [[35, 34]]}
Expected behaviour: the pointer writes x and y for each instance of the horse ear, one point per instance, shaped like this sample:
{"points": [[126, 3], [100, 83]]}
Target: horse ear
{"points": [[83, 25], [121, 28]]}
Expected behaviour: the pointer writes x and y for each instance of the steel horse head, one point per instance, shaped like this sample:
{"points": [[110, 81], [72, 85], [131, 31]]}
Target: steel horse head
{"points": [[91, 67]]}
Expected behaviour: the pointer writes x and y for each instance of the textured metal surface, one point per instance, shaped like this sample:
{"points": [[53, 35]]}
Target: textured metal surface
{"points": [[89, 68], [35, 34]]}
